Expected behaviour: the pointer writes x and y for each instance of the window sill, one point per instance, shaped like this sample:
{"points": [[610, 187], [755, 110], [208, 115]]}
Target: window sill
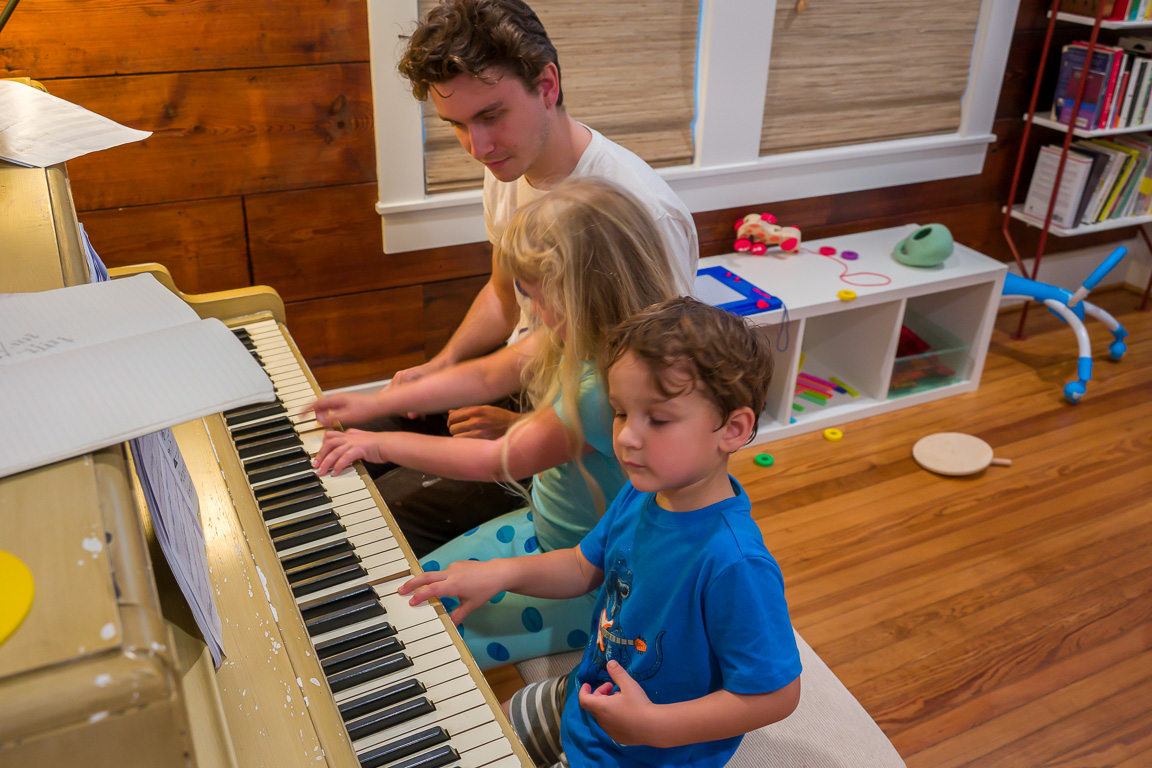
{"points": [[456, 218]]}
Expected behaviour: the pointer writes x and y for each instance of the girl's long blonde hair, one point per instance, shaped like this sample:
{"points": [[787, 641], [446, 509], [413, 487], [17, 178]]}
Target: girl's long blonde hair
{"points": [[598, 259]]}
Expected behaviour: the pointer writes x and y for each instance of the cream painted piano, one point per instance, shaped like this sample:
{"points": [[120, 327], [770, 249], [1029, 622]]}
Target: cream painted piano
{"points": [[325, 664]]}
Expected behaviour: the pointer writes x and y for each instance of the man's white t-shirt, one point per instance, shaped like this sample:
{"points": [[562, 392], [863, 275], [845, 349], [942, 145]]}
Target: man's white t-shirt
{"points": [[605, 159]]}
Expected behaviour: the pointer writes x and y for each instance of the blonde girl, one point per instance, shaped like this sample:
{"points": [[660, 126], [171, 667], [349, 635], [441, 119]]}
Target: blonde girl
{"points": [[586, 256]]}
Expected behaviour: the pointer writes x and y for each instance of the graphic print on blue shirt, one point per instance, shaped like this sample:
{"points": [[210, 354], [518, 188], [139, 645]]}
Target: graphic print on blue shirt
{"points": [[612, 641]]}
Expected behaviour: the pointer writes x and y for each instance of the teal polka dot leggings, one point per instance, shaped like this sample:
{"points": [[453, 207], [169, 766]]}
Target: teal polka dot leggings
{"points": [[512, 627]]}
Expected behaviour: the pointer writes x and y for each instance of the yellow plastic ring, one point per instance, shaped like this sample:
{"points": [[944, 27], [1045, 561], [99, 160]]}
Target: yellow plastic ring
{"points": [[846, 295], [833, 435]]}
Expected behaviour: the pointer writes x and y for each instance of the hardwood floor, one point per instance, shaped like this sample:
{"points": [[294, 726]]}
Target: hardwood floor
{"points": [[1003, 619]]}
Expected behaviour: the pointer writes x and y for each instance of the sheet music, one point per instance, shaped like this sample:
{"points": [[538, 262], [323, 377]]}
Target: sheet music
{"points": [[119, 362], [38, 129], [175, 508]]}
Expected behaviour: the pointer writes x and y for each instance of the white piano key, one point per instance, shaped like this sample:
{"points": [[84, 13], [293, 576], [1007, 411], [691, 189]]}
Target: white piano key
{"points": [[512, 761], [478, 737], [261, 325], [385, 562], [483, 754], [380, 547], [345, 482]]}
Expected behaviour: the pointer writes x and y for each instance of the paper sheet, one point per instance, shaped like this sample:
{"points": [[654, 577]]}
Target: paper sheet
{"points": [[120, 361], [38, 129], [175, 507]]}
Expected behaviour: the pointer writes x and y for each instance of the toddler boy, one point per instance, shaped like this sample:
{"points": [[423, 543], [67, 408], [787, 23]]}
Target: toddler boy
{"points": [[691, 645]]}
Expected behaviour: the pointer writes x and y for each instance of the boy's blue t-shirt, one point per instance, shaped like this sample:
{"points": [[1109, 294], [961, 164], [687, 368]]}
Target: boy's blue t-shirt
{"points": [[701, 595]]}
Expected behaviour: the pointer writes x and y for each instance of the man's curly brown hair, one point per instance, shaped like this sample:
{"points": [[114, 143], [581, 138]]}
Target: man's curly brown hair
{"points": [[474, 36], [689, 345]]}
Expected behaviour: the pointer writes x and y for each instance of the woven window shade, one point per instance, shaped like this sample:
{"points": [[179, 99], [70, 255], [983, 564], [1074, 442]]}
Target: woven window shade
{"points": [[628, 69], [855, 71]]}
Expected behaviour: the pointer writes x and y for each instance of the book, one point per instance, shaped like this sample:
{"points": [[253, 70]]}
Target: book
{"points": [[1099, 164], [1109, 89], [1129, 203], [1113, 116], [1099, 195], [1076, 170], [1110, 210], [1134, 86], [92, 365], [1072, 61], [1142, 97]]}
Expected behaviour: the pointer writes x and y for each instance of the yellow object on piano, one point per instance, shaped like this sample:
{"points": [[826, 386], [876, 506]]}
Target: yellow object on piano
{"points": [[16, 596]]}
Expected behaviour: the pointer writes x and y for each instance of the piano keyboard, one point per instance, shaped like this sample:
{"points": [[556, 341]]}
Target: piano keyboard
{"points": [[405, 695]]}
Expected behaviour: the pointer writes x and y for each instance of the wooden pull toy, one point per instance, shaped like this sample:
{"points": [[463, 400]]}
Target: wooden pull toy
{"points": [[955, 454]]}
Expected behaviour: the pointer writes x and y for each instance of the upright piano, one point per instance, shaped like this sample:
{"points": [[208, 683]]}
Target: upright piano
{"points": [[325, 664]]}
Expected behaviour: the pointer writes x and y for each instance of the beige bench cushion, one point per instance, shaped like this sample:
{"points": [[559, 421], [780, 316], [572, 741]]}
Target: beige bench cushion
{"points": [[829, 728]]}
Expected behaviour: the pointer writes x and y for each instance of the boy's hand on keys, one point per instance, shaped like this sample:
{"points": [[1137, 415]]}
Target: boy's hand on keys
{"points": [[472, 583], [625, 715]]}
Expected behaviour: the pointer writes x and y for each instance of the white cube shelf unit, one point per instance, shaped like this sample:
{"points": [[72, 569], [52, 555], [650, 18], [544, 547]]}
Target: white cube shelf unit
{"points": [[856, 341]]}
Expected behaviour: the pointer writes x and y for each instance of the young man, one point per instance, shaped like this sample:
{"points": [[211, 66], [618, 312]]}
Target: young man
{"points": [[690, 645], [493, 75]]}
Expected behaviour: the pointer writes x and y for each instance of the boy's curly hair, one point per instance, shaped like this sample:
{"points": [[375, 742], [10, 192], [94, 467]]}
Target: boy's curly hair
{"points": [[690, 345], [471, 37]]}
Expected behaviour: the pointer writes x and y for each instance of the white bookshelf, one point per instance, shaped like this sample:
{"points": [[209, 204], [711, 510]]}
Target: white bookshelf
{"points": [[1089, 21], [1086, 133], [1083, 229], [856, 341]]}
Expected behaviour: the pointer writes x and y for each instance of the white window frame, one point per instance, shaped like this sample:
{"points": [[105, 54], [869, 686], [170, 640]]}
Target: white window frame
{"points": [[727, 172]]}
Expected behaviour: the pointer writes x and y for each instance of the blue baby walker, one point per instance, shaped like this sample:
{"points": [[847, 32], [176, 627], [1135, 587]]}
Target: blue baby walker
{"points": [[1071, 308]]}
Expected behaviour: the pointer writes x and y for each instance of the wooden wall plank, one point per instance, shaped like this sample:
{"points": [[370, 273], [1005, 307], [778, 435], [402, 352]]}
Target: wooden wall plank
{"points": [[49, 39], [358, 338], [445, 305], [201, 243], [327, 242], [224, 133]]}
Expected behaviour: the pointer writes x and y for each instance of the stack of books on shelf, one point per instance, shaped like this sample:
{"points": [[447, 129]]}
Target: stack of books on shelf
{"points": [[1103, 179], [1118, 90]]}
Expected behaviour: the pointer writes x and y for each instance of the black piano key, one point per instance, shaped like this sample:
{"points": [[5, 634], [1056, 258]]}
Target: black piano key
{"points": [[442, 755], [403, 747], [368, 671], [362, 655], [329, 579], [315, 554], [324, 604], [389, 718], [381, 699], [261, 430], [268, 462], [300, 503], [361, 610], [296, 473], [275, 490], [274, 445], [332, 562], [276, 505], [251, 413], [330, 648], [276, 530], [284, 469], [313, 533]]}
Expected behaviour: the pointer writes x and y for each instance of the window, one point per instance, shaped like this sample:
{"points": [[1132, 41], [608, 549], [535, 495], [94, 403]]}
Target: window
{"points": [[733, 77]]}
